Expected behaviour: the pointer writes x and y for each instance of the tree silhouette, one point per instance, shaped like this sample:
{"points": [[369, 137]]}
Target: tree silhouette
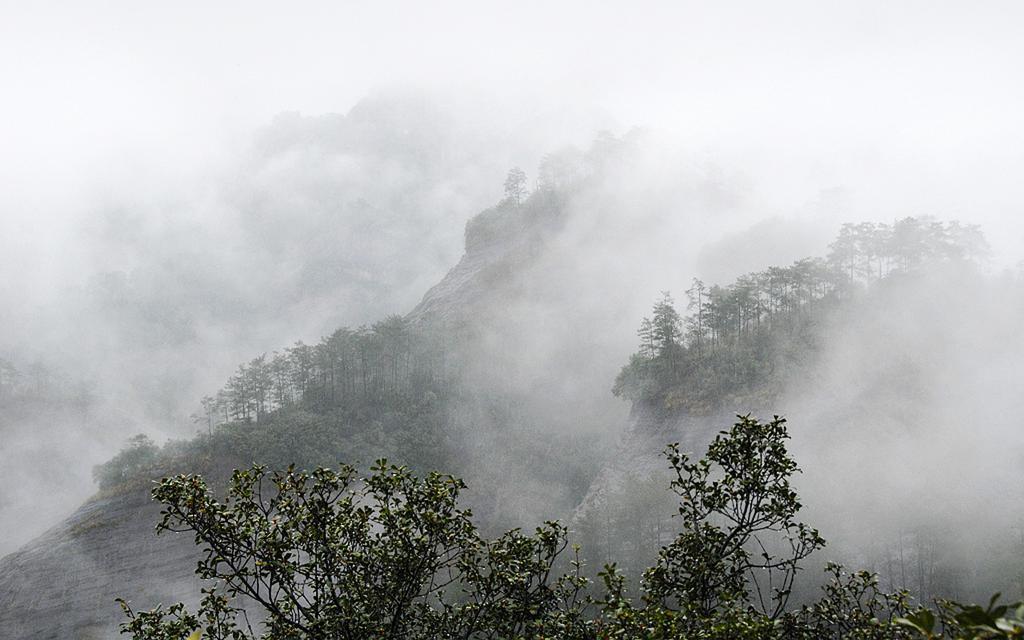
{"points": [[515, 185]]}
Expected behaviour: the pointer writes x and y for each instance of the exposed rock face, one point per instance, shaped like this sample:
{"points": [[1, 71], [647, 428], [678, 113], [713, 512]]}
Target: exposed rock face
{"points": [[640, 451], [62, 585], [499, 242]]}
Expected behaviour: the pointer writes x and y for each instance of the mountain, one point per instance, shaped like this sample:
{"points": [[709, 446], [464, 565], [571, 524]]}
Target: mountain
{"points": [[893, 360], [63, 583]]}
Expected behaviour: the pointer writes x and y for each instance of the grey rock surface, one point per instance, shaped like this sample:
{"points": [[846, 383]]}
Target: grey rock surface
{"points": [[63, 584]]}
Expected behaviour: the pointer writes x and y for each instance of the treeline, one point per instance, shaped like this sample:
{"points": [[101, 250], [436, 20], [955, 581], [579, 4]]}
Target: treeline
{"points": [[386, 361], [381, 388], [391, 359], [728, 339], [868, 250], [861, 253]]}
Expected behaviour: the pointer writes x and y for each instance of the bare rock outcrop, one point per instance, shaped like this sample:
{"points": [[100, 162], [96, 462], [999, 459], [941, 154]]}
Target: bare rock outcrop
{"points": [[62, 585]]}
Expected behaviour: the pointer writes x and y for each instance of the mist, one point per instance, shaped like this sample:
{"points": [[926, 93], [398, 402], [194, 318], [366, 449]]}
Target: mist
{"points": [[912, 428], [185, 188], [313, 223]]}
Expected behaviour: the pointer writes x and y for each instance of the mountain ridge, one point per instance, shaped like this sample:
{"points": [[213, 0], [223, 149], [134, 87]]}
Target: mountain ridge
{"points": [[63, 583]]}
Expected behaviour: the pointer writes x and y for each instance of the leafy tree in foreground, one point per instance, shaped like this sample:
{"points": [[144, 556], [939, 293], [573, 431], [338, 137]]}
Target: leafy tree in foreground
{"points": [[732, 565], [968, 622], [330, 554], [739, 532]]}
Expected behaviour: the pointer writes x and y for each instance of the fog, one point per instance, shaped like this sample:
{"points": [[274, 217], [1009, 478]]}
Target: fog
{"points": [[184, 187], [163, 288], [911, 428]]}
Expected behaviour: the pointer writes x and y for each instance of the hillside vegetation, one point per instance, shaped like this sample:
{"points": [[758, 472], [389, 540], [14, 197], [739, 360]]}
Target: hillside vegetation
{"points": [[737, 343], [407, 388], [398, 388], [724, 567], [336, 554]]}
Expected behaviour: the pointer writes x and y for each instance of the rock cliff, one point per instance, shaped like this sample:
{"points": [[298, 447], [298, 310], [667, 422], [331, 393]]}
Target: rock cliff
{"points": [[62, 585]]}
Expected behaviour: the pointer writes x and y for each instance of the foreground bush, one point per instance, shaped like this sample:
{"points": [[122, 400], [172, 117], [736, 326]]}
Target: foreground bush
{"points": [[330, 554]]}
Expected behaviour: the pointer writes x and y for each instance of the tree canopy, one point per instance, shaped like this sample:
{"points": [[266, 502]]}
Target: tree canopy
{"points": [[735, 336], [335, 554], [386, 361], [515, 185]]}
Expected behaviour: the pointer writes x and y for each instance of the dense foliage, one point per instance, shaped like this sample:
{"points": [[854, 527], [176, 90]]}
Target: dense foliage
{"points": [[138, 456], [330, 554], [736, 338], [388, 361], [357, 394]]}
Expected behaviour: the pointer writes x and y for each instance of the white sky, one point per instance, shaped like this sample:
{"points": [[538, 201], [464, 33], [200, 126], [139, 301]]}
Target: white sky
{"points": [[918, 101]]}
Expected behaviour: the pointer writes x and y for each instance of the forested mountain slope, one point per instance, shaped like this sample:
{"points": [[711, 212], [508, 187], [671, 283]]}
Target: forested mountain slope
{"points": [[167, 280], [391, 389], [892, 357], [500, 375]]}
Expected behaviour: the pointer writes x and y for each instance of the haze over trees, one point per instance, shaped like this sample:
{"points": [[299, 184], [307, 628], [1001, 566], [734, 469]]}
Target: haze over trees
{"points": [[401, 387], [450, 320], [438, 389], [733, 342], [149, 290], [515, 185], [385, 362], [410, 389], [735, 337]]}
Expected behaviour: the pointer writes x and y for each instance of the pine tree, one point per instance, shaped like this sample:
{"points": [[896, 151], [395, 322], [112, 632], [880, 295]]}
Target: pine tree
{"points": [[667, 325], [515, 185]]}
